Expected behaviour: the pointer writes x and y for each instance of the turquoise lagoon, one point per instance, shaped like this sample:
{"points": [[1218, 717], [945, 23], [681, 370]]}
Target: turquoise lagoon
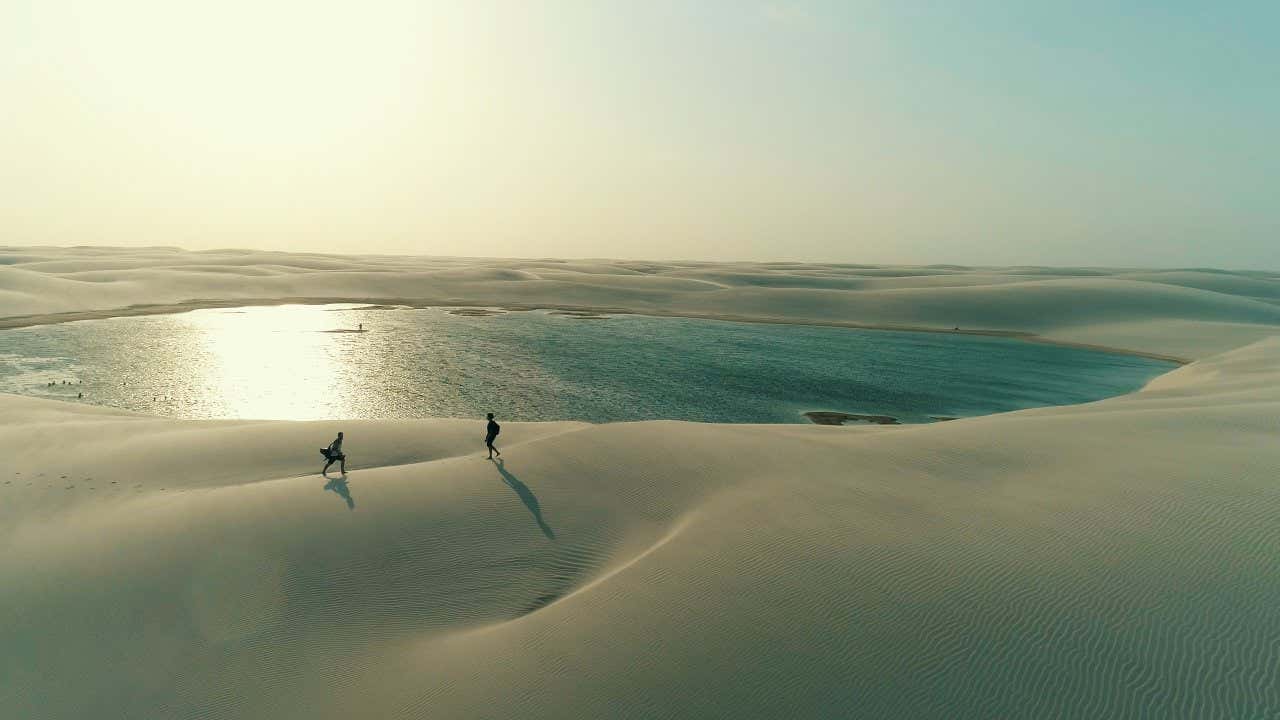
{"points": [[303, 362]]}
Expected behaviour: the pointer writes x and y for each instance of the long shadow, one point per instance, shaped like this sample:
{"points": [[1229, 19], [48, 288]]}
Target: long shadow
{"points": [[526, 496], [339, 486]]}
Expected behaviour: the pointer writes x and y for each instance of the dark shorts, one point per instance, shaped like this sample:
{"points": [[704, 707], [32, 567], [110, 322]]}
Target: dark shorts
{"points": [[488, 439]]}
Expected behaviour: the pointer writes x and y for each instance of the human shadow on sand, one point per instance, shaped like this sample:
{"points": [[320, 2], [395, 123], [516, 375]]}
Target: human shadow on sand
{"points": [[526, 496], [339, 486]]}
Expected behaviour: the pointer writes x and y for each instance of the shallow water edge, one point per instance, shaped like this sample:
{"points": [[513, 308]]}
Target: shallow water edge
{"points": [[375, 303]]}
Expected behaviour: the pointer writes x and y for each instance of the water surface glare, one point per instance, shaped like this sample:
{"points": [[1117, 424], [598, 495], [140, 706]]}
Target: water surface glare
{"points": [[300, 362]]}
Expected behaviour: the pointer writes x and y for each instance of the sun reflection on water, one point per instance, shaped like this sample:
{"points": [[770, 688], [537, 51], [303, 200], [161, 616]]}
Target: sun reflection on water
{"points": [[287, 362], [304, 362]]}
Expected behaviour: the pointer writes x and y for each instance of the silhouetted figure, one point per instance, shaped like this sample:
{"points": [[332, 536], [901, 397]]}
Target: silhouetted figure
{"points": [[333, 454], [490, 434], [339, 486], [361, 327], [79, 396]]}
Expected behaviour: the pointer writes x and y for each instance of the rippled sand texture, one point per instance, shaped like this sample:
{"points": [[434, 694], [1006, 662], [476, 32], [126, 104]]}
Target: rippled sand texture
{"points": [[1180, 313], [1115, 559]]}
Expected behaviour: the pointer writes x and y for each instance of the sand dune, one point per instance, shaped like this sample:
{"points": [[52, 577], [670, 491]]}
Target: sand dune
{"points": [[1114, 559], [1127, 309], [1109, 560]]}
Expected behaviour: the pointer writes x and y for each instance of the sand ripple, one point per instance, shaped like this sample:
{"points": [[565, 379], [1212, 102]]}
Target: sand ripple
{"points": [[1118, 560]]}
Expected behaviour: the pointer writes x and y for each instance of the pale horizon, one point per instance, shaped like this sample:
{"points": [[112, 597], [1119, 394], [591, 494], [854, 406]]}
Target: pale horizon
{"points": [[1091, 136], [647, 259]]}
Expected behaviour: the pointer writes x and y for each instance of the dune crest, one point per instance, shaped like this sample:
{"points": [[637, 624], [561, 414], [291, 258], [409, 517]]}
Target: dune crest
{"points": [[1183, 314], [1111, 559]]}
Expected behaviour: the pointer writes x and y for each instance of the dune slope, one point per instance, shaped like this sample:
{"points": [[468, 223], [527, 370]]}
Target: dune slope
{"points": [[1115, 559], [1184, 314]]}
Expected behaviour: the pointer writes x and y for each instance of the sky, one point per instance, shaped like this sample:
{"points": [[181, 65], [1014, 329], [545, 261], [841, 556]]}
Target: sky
{"points": [[970, 132]]}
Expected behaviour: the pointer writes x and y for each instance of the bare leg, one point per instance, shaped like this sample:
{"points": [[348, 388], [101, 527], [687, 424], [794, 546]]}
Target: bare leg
{"points": [[342, 464], [326, 467]]}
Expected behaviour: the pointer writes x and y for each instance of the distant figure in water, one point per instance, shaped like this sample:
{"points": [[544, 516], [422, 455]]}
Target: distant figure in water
{"points": [[490, 434], [79, 396], [361, 327], [333, 454]]}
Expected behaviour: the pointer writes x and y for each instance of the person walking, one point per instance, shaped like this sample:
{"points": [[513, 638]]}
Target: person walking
{"points": [[490, 434], [333, 454]]}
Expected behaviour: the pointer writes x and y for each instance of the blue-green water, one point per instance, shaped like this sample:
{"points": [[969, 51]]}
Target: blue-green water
{"points": [[288, 363]]}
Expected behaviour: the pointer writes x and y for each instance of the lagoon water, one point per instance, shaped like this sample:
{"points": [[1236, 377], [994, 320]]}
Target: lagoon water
{"points": [[302, 362]]}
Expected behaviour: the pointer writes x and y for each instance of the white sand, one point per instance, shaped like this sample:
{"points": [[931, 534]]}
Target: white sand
{"points": [[1115, 559], [1185, 314]]}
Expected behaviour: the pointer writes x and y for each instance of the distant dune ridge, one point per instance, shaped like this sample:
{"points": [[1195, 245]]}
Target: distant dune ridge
{"points": [[1178, 313], [1114, 559]]}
